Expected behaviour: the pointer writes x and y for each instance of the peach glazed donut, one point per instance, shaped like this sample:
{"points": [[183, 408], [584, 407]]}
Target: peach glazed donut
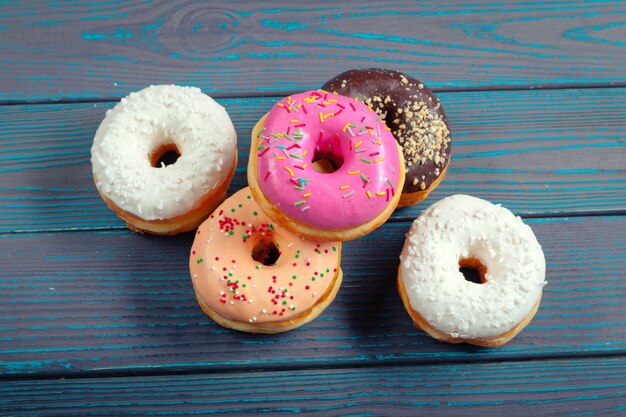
{"points": [[466, 232], [325, 166], [254, 276], [163, 158], [415, 117]]}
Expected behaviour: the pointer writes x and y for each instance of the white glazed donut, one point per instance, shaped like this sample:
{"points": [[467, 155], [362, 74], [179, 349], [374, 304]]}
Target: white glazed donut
{"points": [[140, 129], [463, 231]]}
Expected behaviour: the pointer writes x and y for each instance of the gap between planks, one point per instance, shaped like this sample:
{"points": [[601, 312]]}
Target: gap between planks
{"points": [[562, 215], [163, 371], [285, 93]]}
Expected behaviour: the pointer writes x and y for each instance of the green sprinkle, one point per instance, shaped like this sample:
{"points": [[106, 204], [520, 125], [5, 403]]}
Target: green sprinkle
{"points": [[285, 302], [334, 249], [243, 285], [261, 147], [231, 232], [248, 197], [390, 183], [293, 308], [228, 281], [289, 137], [298, 188], [199, 261], [299, 203], [294, 277], [367, 161], [295, 156], [365, 178], [327, 270], [254, 213], [312, 278], [239, 205], [244, 237], [230, 274], [232, 210], [275, 135], [237, 282], [271, 226], [257, 267], [321, 274]]}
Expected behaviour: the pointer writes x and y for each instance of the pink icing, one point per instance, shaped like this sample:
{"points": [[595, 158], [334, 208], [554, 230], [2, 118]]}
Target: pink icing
{"points": [[353, 195]]}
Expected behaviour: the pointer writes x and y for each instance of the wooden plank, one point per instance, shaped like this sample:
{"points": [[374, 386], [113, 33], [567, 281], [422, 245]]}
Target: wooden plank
{"points": [[589, 387], [118, 302], [537, 152], [58, 50]]}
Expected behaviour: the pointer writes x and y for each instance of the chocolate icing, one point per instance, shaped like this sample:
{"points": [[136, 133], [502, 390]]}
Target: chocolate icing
{"points": [[412, 112]]}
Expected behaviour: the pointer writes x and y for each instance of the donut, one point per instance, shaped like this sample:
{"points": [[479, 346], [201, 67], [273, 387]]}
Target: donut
{"points": [[252, 275], [163, 158], [466, 232], [415, 117], [325, 166]]}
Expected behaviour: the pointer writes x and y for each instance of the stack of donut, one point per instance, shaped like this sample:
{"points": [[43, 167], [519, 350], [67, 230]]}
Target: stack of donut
{"points": [[325, 166]]}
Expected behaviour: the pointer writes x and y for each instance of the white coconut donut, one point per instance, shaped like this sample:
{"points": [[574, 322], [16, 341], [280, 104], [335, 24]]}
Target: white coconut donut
{"points": [[149, 195], [463, 231]]}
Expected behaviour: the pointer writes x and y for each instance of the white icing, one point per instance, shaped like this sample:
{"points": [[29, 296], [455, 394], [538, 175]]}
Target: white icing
{"points": [[198, 126], [460, 227]]}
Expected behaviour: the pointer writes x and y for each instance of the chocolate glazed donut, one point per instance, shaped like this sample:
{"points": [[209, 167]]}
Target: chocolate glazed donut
{"points": [[415, 117]]}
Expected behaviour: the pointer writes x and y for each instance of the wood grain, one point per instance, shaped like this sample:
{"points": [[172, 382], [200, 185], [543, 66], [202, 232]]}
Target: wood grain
{"points": [[58, 50], [575, 387], [538, 152], [117, 302]]}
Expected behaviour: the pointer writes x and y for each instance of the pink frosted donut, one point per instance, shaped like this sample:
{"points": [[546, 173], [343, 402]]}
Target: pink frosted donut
{"points": [[325, 166]]}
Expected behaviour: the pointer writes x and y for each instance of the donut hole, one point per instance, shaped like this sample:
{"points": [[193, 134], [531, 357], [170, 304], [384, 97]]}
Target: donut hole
{"points": [[473, 270], [265, 252], [166, 154], [326, 162]]}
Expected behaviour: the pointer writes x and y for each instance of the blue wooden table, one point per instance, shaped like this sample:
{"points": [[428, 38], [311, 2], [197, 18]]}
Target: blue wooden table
{"points": [[98, 320]]}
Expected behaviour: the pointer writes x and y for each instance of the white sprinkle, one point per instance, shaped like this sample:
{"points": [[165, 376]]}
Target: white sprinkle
{"points": [[290, 245], [348, 194], [350, 131], [360, 150], [232, 302], [305, 208]]}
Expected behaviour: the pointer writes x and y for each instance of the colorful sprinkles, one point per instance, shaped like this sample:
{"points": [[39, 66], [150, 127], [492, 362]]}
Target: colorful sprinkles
{"points": [[301, 137], [250, 290]]}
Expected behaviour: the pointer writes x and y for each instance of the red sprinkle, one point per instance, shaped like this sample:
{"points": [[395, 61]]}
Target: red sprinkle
{"points": [[266, 175]]}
